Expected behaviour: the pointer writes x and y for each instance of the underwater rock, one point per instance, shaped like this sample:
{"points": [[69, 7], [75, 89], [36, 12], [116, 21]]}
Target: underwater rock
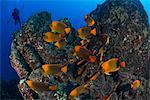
{"points": [[24, 58], [125, 21]]}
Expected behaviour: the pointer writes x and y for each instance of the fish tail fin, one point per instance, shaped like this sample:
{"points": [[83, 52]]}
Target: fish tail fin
{"points": [[93, 31], [122, 64], [30, 83], [53, 87], [92, 59], [64, 69], [57, 44], [67, 30], [92, 23]]}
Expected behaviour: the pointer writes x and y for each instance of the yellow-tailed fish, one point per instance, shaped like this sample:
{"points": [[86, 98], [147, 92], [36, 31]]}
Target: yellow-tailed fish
{"points": [[84, 32], [78, 90], [81, 89], [84, 53], [112, 65], [61, 43], [89, 20], [40, 86], [104, 38], [59, 27], [136, 84], [51, 37], [53, 69]]}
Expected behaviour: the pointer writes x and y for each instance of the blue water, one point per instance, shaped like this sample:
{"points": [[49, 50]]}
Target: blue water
{"points": [[72, 9]]}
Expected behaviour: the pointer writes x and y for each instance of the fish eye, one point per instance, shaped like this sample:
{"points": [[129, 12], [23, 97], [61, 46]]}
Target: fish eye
{"points": [[51, 25], [45, 37]]}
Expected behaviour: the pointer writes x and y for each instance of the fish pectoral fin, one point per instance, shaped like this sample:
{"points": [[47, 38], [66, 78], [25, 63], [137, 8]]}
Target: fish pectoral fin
{"points": [[107, 73], [116, 69]]}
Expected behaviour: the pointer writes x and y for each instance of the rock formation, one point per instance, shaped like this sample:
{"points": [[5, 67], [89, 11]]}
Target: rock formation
{"points": [[125, 21]]}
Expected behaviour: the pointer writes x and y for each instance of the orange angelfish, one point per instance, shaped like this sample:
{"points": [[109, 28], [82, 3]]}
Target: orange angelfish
{"points": [[84, 32], [112, 65], [84, 53], [89, 20], [136, 84], [61, 43], [78, 90], [81, 89], [51, 37], [53, 69], [59, 27], [40, 86]]}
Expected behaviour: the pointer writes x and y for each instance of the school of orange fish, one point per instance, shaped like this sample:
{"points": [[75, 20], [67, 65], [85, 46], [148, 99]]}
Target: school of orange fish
{"points": [[57, 35]]}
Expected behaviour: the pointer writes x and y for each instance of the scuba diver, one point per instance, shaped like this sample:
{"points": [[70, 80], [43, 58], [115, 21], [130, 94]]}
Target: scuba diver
{"points": [[16, 17]]}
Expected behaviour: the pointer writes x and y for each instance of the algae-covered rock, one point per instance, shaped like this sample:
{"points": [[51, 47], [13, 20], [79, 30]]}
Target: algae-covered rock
{"points": [[126, 22]]}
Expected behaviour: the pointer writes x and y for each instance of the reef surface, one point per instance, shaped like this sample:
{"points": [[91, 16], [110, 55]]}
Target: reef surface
{"points": [[125, 21]]}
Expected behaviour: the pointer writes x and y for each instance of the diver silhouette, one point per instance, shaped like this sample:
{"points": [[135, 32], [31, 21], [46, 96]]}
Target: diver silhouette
{"points": [[16, 17]]}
